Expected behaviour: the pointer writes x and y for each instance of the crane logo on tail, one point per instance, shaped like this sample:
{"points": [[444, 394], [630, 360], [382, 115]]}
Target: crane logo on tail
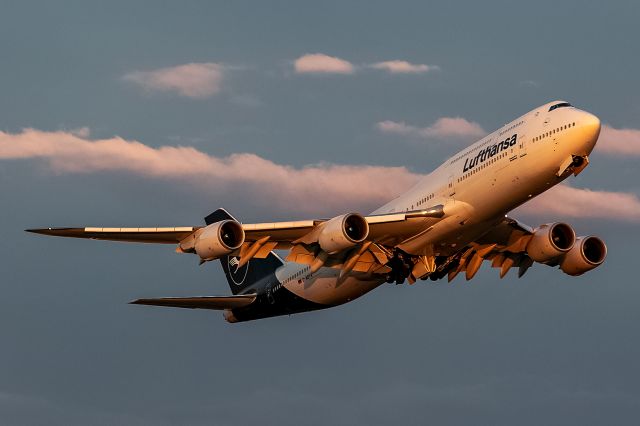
{"points": [[238, 274]]}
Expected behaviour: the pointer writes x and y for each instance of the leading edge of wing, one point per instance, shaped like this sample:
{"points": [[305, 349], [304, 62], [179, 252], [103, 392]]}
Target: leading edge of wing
{"points": [[169, 235], [200, 302]]}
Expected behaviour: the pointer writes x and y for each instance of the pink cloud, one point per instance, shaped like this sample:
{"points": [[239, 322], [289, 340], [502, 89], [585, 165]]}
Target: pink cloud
{"points": [[269, 182], [194, 80], [319, 63], [249, 174], [619, 141], [403, 67], [445, 127], [568, 202]]}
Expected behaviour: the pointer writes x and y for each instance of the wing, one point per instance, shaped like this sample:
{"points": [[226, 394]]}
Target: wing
{"points": [[135, 235], [504, 246], [386, 231], [383, 228], [201, 302]]}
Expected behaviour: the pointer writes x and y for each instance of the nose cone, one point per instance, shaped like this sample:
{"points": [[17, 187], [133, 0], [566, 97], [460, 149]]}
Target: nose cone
{"points": [[590, 126]]}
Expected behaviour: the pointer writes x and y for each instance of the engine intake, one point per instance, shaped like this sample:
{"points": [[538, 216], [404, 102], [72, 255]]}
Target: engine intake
{"points": [[587, 253], [343, 232], [550, 241], [219, 239]]}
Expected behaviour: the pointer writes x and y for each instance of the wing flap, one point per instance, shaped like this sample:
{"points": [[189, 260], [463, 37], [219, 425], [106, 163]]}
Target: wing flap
{"points": [[200, 302], [504, 246]]}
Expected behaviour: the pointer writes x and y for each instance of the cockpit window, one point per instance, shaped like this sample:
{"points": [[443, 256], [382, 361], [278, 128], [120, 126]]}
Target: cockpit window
{"points": [[560, 105]]}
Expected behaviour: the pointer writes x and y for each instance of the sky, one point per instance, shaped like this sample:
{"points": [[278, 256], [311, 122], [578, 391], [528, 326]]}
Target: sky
{"points": [[155, 114]]}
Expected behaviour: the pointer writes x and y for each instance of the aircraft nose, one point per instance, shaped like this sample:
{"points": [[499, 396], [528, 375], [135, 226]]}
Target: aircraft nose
{"points": [[590, 126]]}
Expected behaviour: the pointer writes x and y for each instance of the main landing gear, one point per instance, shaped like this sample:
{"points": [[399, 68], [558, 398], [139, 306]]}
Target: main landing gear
{"points": [[401, 266]]}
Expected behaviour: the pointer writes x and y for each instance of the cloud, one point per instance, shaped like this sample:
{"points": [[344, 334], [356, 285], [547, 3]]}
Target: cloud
{"points": [[268, 182], [194, 80], [530, 83], [569, 202], [403, 67], [445, 127], [319, 63], [256, 177], [619, 141]]}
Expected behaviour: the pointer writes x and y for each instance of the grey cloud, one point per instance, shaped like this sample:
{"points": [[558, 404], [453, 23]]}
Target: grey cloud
{"points": [[193, 80]]}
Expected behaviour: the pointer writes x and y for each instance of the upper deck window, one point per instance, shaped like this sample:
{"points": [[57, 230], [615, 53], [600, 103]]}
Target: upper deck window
{"points": [[560, 105]]}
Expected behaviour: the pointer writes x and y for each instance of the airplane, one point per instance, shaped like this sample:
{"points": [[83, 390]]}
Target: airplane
{"points": [[450, 222]]}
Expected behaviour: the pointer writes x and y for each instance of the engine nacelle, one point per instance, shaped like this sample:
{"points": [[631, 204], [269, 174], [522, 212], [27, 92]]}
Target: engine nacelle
{"points": [[343, 232], [219, 239], [586, 254], [550, 241]]}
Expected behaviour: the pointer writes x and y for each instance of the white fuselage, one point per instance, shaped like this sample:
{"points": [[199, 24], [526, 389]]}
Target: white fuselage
{"points": [[479, 185]]}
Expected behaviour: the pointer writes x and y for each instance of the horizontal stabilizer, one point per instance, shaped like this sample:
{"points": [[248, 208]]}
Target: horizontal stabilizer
{"points": [[201, 302]]}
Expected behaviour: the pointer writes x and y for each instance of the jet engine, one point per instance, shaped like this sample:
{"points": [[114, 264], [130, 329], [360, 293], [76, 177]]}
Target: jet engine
{"points": [[550, 241], [343, 232], [219, 239], [586, 254]]}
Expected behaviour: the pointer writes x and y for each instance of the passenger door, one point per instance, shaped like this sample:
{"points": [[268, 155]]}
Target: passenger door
{"points": [[451, 187], [522, 145]]}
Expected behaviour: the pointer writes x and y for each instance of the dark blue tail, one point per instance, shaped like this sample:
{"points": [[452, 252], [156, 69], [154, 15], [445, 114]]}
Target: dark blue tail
{"points": [[256, 269]]}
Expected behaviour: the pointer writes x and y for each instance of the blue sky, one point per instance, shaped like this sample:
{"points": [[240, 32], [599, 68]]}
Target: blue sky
{"points": [[136, 113]]}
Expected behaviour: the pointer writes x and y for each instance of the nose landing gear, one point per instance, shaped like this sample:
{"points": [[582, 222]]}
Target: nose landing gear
{"points": [[573, 164]]}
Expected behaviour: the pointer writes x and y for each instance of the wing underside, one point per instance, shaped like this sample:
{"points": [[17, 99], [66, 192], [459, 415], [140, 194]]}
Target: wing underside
{"points": [[282, 234], [301, 238]]}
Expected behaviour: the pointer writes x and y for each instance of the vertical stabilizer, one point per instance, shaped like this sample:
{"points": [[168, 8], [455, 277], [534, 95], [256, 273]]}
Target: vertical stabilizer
{"points": [[256, 269]]}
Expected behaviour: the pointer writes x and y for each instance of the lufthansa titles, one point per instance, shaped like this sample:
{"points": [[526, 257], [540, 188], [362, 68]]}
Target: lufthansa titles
{"points": [[489, 152]]}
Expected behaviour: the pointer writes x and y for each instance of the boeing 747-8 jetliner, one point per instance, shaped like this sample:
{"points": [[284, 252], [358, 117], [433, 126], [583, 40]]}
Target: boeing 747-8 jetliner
{"points": [[447, 224]]}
